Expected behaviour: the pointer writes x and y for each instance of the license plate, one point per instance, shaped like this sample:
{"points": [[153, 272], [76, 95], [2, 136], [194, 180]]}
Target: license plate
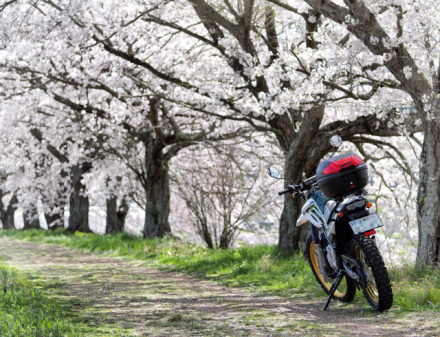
{"points": [[366, 224]]}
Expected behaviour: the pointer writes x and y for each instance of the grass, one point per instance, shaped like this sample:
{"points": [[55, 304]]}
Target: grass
{"points": [[261, 268], [417, 287], [265, 268], [25, 311]]}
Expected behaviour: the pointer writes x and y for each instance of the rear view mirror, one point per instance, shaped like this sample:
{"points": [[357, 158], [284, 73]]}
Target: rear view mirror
{"points": [[336, 141], [273, 172]]}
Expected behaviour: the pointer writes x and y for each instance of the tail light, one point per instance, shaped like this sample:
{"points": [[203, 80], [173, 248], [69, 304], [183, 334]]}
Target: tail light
{"points": [[369, 233]]}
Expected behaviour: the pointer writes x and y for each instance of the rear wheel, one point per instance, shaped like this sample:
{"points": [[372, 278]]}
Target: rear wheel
{"points": [[378, 290], [346, 289]]}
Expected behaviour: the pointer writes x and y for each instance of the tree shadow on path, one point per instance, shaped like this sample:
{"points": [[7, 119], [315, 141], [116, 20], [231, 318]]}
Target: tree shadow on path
{"points": [[132, 299]]}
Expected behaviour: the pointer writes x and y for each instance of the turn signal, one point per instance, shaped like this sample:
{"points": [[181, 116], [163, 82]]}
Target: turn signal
{"points": [[369, 204], [340, 215]]}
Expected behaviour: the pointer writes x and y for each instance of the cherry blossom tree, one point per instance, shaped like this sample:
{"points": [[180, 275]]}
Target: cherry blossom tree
{"points": [[402, 36], [147, 79], [110, 105], [276, 78]]}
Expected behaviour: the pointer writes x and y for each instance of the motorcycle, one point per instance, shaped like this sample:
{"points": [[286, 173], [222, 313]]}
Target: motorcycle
{"points": [[341, 249]]}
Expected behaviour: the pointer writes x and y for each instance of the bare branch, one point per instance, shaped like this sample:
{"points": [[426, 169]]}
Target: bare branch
{"points": [[6, 4], [271, 33], [37, 134], [180, 29], [247, 16], [232, 10], [203, 9], [286, 6], [402, 163], [79, 107], [363, 24], [372, 125], [132, 59]]}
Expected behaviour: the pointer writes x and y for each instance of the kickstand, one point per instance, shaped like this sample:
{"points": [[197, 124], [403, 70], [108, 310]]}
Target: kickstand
{"points": [[334, 287]]}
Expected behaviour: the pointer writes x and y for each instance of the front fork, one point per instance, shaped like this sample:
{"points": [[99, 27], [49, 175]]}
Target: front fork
{"points": [[322, 260]]}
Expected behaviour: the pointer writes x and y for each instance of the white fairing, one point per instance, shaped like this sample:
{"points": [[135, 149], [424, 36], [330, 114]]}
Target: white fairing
{"points": [[310, 213], [330, 216], [328, 208]]}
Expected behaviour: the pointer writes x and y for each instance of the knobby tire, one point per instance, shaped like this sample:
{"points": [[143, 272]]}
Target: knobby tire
{"points": [[378, 291]]}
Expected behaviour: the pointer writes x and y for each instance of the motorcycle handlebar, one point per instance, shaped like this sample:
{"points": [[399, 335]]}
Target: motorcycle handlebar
{"points": [[283, 192], [298, 189], [290, 189]]}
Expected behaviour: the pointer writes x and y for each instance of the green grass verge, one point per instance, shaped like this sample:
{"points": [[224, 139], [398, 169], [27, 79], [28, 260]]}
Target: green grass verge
{"points": [[417, 287], [265, 268], [25, 311], [261, 268]]}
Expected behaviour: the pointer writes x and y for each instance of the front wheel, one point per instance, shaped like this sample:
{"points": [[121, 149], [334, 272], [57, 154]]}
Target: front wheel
{"points": [[346, 289], [378, 290]]}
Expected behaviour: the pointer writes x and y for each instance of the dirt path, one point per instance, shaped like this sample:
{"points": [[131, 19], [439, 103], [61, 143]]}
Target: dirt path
{"points": [[127, 298]]}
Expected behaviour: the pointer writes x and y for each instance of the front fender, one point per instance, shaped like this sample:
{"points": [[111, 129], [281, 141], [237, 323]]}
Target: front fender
{"points": [[310, 212], [301, 220]]}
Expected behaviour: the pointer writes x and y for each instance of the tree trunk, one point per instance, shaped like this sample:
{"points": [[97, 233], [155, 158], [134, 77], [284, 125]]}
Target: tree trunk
{"points": [[201, 224], [30, 219], [224, 242], [288, 234], [206, 235], [58, 202], [9, 221], [122, 213], [7, 215], [111, 220], [79, 204], [56, 220], [225, 236], [428, 206], [298, 163], [115, 220], [157, 190]]}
